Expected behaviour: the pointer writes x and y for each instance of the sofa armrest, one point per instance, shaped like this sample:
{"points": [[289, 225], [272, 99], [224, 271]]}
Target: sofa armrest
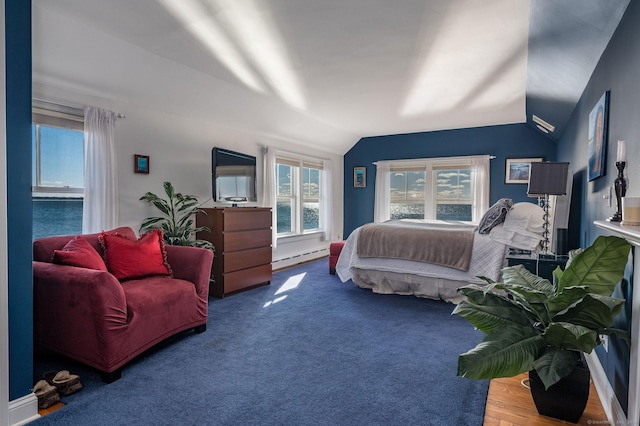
{"points": [[191, 264], [77, 309]]}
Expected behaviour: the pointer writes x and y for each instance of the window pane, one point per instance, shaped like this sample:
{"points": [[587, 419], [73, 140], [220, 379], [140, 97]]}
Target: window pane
{"points": [[56, 216], [61, 158], [460, 212], [283, 175], [283, 215], [407, 186], [453, 184], [311, 182], [311, 215], [407, 211]]}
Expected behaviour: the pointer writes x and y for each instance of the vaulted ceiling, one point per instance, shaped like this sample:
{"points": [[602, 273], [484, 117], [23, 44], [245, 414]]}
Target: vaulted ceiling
{"points": [[326, 73]]}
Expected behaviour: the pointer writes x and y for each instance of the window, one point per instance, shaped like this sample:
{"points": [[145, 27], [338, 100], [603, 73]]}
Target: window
{"points": [[57, 173], [454, 194], [298, 195], [436, 188]]}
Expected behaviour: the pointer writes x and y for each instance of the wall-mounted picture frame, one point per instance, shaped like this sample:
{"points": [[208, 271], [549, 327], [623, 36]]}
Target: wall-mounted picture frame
{"points": [[517, 169], [359, 177], [598, 135], [141, 164]]}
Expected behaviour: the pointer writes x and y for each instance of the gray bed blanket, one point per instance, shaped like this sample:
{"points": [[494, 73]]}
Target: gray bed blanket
{"points": [[445, 246]]}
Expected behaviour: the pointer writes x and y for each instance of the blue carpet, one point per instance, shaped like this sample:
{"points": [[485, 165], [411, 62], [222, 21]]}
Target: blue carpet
{"points": [[320, 352]]}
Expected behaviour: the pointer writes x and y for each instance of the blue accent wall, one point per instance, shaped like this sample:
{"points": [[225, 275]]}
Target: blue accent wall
{"points": [[18, 99], [617, 71], [507, 141]]}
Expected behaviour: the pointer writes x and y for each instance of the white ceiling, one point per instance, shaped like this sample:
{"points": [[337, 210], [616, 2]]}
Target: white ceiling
{"points": [[325, 72]]}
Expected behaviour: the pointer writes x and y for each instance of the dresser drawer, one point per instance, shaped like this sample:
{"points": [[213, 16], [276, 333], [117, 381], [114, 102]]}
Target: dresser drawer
{"points": [[241, 219], [237, 260], [238, 280], [243, 240]]}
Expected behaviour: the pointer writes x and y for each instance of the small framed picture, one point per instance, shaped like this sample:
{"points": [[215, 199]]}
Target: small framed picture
{"points": [[517, 169], [141, 164], [359, 177]]}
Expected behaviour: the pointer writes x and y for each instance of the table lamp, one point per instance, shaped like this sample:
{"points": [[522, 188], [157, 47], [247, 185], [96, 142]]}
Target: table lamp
{"points": [[545, 179]]}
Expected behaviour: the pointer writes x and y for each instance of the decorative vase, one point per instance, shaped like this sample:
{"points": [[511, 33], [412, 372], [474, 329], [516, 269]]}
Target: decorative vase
{"points": [[567, 399]]}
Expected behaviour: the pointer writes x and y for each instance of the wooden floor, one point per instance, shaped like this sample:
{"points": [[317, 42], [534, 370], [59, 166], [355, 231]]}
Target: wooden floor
{"points": [[511, 404]]}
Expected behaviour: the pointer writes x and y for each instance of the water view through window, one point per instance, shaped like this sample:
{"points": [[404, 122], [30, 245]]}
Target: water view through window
{"points": [[453, 194], [58, 180]]}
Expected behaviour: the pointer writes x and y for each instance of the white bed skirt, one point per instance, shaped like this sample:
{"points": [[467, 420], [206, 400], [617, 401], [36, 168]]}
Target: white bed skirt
{"points": [[384, 282], [398, 276]]}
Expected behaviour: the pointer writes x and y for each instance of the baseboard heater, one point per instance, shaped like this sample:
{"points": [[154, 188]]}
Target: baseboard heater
{"points": [[299, 258]]}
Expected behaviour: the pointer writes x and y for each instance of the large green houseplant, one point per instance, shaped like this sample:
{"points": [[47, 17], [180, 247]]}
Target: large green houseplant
{"points": [[536, 324], [177, 220]]}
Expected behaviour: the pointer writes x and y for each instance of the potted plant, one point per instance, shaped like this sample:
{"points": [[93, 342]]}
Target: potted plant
{"points": [[176, 222], [542, 327]]}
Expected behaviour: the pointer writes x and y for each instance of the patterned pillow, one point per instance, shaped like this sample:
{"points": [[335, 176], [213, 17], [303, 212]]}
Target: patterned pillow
{"points": [[495, 215]]}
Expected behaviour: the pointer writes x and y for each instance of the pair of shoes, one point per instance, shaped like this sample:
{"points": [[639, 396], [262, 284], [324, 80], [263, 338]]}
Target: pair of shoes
{"points": [[66, 383], [46, 393]]}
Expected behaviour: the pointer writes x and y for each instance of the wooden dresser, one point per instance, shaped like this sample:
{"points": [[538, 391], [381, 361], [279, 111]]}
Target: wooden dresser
{"points": [[242, 238]]}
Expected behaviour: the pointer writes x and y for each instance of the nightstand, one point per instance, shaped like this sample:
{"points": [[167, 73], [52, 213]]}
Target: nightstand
{"points": [[542, 265]]}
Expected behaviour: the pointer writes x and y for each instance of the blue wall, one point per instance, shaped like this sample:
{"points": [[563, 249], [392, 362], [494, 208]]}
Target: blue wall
{"points": [[617, 71], [18, 98], [508, 141]]}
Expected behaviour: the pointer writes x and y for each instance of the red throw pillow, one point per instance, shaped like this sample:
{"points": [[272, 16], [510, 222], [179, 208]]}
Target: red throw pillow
{"points": [[128, 259], [79, 252]]}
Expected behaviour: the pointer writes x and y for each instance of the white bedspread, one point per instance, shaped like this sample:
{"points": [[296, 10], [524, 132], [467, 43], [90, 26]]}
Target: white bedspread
{"points": [[487, 259]]}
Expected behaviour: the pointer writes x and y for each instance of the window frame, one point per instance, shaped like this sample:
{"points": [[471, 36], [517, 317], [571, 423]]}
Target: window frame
{"points": [[298, 196], [60, 120], [431, 166]]}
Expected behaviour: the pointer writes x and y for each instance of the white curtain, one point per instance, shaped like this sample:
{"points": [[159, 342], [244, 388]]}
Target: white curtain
{"points": [[269, 189], [382, 211], [326, 215], [100, 207], [480, 176], [430, 207]]}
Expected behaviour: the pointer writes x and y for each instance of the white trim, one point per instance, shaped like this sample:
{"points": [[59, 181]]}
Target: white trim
{"points": [[300, 258], [4, 289], [633, 236], [612, 408], [23, 410]]}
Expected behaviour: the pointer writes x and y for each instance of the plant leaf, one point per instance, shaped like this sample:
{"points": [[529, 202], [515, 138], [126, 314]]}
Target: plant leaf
{"points": [[600, 266], [489, 312], [594, 311], [565, 335], [506, 353], [555, 364], [563, 300]]}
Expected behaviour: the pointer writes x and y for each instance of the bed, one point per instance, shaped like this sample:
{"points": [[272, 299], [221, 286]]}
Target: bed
{"points": [[518, 227]]}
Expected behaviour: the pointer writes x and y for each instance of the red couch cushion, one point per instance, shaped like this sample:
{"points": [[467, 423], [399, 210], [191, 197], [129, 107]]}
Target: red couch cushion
{"points": [[128, 259], [78, 252]]}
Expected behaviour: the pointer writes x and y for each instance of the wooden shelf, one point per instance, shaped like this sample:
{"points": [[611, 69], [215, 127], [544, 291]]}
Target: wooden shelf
{"points": [[510, 404]]}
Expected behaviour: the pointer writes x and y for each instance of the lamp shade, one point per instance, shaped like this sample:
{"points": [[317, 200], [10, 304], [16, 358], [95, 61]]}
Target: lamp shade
{"points": [[547, 178]]}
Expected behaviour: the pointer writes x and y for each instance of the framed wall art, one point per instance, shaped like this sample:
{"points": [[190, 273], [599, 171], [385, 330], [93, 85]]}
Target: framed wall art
{"points": [[141, 164], [517, 169], [359, 177], [598, 135]]}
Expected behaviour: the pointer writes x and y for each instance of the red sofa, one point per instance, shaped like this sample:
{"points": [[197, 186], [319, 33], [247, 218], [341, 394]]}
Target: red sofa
{"points": [[90, 316]]}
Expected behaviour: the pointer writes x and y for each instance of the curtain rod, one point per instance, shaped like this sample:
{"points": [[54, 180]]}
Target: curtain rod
{"points": [[375, 163], [42, 103]]}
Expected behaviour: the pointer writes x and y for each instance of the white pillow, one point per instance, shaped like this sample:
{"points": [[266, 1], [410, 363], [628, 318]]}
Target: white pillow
{"points": [[514, 239], [525, 219]]}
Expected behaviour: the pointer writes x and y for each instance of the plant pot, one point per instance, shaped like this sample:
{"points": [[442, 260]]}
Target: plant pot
{"points": [[567, 399]]}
